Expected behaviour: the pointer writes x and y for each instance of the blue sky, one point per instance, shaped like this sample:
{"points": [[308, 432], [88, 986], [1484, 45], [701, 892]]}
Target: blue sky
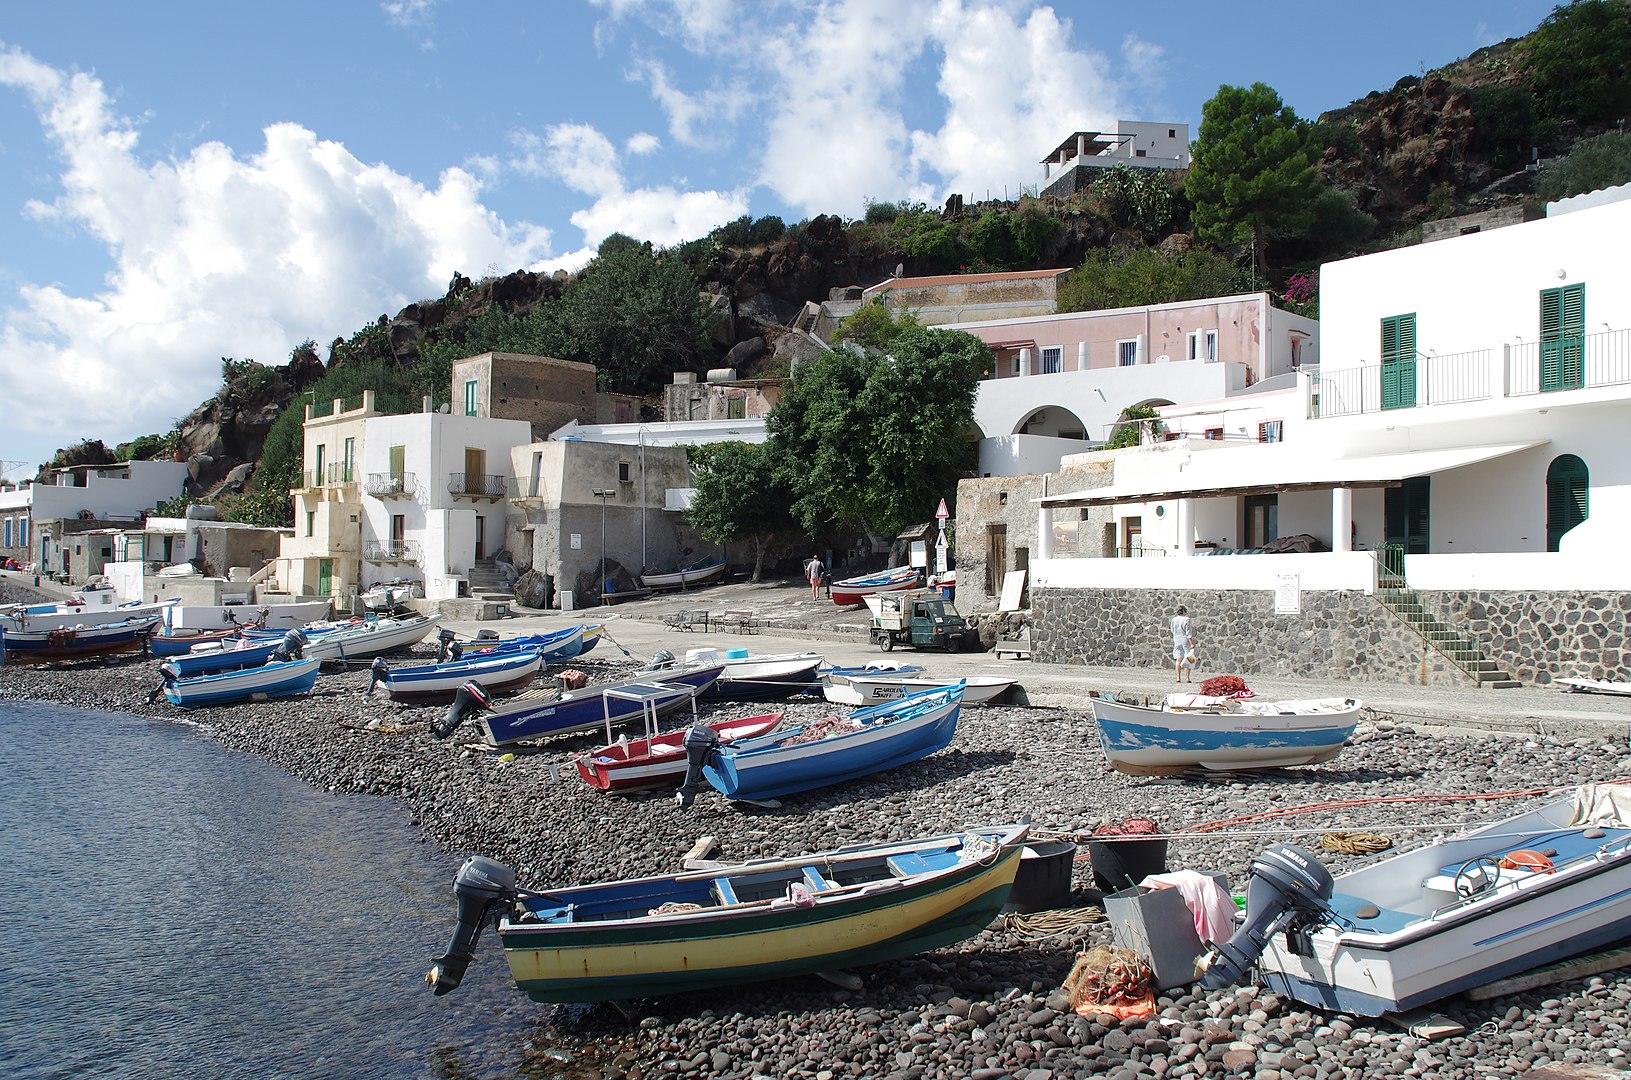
{"points": [[227, 179]]}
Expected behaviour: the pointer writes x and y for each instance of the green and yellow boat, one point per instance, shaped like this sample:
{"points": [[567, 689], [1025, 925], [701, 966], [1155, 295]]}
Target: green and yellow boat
{"points": [[742, 923]]}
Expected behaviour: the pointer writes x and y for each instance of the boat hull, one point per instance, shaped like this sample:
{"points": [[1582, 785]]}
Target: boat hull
{"points": [[74, 643], [366, 642], [587, 709], [191, 665], [755, 770], [868, 690], [853, 591], [765, 681], [86, 616], [291, 678], [638, 958], [174, 644], [676, 578], [647, 763], [503, 674], [1154, 742]]}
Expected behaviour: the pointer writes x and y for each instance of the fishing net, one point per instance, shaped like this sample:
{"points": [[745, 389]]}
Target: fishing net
{"points": [[820, 729], [573, 679], [674, 907], [1109, 980]]}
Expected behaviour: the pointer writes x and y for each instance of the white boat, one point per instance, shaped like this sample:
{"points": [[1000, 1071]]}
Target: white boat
{"points": [[500, 673], [1514, 895], [1193, 732], [689, 575], [370, 638], [882, 686], [763, 677], [92, 607], [1596, 686], [390, 596], [221, 616]]}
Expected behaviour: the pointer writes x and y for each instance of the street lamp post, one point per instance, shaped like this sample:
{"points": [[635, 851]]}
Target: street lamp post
{"points": [[603, 494]]}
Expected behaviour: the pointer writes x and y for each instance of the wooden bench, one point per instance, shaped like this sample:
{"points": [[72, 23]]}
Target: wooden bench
{"points": [[687, 620]]}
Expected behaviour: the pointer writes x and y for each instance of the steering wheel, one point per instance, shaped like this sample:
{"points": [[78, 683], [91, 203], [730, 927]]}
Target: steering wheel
{"points": [[1482, 862]]}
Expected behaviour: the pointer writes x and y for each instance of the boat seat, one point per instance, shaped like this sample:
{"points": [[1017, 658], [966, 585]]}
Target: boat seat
{"points": [[813, 878], [723, 890], [1568, 845], [1385, 921], [920, 862]]}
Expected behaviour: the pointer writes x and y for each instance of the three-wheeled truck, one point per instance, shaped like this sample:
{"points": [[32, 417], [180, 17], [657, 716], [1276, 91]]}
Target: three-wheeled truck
{"points": [[917, 617]]}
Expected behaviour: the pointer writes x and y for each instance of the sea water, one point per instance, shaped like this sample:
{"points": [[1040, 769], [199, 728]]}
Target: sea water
{"points": [[172, 909]]}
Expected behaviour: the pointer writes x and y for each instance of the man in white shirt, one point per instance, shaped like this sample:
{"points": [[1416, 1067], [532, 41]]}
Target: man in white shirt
{"points": [[813, 571], [1183, 646]]}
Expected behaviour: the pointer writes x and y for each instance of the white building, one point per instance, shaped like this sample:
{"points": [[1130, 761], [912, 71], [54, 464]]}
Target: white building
{"points": [[121, 492], [1462, 438], [751, 429], [435, 496], [1140, 144]]}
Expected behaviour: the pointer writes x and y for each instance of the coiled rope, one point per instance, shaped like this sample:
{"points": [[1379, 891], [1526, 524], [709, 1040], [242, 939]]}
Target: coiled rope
{"points": [[1355, 843], [1037, 925]]}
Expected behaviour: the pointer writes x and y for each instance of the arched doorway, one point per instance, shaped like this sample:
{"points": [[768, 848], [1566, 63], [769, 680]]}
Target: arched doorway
{"points": [[1052, 420], [1568, 497]]}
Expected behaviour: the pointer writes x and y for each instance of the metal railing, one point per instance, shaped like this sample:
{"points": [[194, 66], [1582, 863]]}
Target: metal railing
{"points": [[476, 485], [1569, 363], [1455, 377], [391, 485], [380, 551], [342, 472], [1347, 391]]}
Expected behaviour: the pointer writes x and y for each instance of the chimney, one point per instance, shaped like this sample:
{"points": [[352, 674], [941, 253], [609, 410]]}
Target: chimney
{"points": [[424, 403]]}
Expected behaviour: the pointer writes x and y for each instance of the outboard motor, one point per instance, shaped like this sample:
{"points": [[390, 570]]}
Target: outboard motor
{"points": [[293, 646], [376, 672], [700, 742], [485, 890], [446, 647], [1288, 884], [468, 697], [662, 658]]}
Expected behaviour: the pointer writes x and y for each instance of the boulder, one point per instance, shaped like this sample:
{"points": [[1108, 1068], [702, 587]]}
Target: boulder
{"points": [[717, 317], [236, 479], [198, 465], [1176, 244], [799, 347], [760, 310], [744, 353], [533, 590]]}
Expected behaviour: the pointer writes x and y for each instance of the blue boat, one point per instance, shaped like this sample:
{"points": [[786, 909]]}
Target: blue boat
{"points": [[578, 710], [209, 662], [1193, 732], [555, 646], [278, 679], [74, 642], [871, 669], [875, 738], [168, 643], [496, 673]]}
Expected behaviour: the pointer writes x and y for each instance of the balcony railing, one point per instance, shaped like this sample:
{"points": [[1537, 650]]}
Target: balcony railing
{"points": [[1569, 363], [476, 486], [391, 551], [332, 475], [391, 485]]}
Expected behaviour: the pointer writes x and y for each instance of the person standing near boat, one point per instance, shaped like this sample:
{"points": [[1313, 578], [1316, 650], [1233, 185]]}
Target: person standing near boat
{"points": [[813, 571], [1183, 646]]}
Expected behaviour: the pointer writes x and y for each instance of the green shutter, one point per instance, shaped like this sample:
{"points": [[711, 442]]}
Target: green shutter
{"points": [[1563, 337], [1567, 497], [1399, 361], [470, 398]]}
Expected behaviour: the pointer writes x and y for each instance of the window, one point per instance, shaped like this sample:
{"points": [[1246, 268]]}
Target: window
{"points": [[1203, 345], [1214, 434], [1568, 497], [1399, 361], [1563, 337], [317, 466], [623, 476], [22, 532], [1269, 431], [1019, 363], [1262, 519], [1127, 353], [1053, 359], [1002, 498], [470, 397], [7, 542], [1138, 153], [311, 522], [1172, 133]]}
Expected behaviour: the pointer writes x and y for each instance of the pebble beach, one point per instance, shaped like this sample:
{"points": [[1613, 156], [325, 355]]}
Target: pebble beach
{"points": [[991, 1006]]}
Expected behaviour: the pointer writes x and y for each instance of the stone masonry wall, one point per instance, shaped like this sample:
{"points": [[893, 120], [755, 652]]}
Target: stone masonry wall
{"points": [[1346, 636], [1540, 636]]}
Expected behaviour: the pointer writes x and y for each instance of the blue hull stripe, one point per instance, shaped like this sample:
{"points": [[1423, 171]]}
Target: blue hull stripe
{"points": [[1115, 734]]}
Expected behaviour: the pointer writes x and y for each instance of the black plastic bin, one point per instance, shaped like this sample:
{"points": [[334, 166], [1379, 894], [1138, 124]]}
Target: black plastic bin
{"points": [[1122, 863], [1043, 880]]}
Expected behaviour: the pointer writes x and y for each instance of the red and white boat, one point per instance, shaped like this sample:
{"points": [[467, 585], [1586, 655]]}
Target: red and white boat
{"points": [[629, 765], [852, 591]]}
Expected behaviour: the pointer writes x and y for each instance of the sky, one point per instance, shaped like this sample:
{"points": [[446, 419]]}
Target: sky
{"points": [[199, 180]]}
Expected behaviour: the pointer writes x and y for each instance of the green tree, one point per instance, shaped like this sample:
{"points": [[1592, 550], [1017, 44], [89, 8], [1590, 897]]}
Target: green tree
{"points": [[1133, 278], [1128, 428], [1592, 163], [1139, 199], [1577, 60], [875, 440], [632, 313], [1252, 177], [873, 327], [739, 497]]}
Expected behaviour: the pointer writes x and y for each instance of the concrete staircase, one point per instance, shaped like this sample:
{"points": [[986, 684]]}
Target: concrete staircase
{"points": [[1461, 649], [487, 582]]}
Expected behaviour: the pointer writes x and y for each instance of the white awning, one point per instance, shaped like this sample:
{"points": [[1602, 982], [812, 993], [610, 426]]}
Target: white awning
{"points": [[1273, 467]]}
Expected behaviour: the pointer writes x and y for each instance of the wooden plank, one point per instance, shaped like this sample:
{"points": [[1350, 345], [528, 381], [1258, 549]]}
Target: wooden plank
{"points": [[1563, 971], [1427, 1024], [697, 858]]}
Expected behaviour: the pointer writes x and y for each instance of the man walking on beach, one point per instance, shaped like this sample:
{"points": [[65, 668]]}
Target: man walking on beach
{"points": [[812, 573], [1183, 646]]}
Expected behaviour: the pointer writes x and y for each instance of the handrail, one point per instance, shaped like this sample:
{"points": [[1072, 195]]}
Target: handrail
{"points": [[391, 551], [476, 484], [382, 485]]}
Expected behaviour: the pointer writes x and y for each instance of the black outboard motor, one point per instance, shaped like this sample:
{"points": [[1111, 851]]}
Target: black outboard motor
{"points": [[293, 646], [376, 672], [446, 647], [660, 659], [1288, 884], [700, 742], [467, 698], [485, 891]]}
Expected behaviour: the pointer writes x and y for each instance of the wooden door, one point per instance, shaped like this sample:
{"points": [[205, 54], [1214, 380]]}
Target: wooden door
{"points": [[481, 537], [399, 465], [475, 464], [1132, 536], [996, 558]]}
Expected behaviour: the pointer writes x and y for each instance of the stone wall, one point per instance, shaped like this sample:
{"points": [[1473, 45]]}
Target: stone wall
{"points": [[1343, 636], [1540, 636]]}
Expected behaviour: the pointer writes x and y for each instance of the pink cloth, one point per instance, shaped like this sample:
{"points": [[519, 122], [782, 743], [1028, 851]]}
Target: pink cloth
{"points": [[1210, 904]]}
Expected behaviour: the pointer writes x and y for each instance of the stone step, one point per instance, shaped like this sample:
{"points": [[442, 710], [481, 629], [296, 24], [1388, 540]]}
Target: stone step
{"points": [[1502, 684]]}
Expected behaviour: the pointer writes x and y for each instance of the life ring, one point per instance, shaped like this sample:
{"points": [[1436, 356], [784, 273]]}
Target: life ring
{"points": [[1527, 859]]}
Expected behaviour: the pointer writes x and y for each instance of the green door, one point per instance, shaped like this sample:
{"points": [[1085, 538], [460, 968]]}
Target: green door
{"points": [[1399, 361], [317, 477], [350, 461], [1405, 515], [325, 577], [1567, 495], [1563, 337]]}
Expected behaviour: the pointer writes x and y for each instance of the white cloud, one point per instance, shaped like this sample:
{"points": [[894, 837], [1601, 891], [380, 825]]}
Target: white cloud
{"points": [[641, 143], [1145, 62], [216, 254], [701, 25], [585, 160], [408, 12], [695, 119]]}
